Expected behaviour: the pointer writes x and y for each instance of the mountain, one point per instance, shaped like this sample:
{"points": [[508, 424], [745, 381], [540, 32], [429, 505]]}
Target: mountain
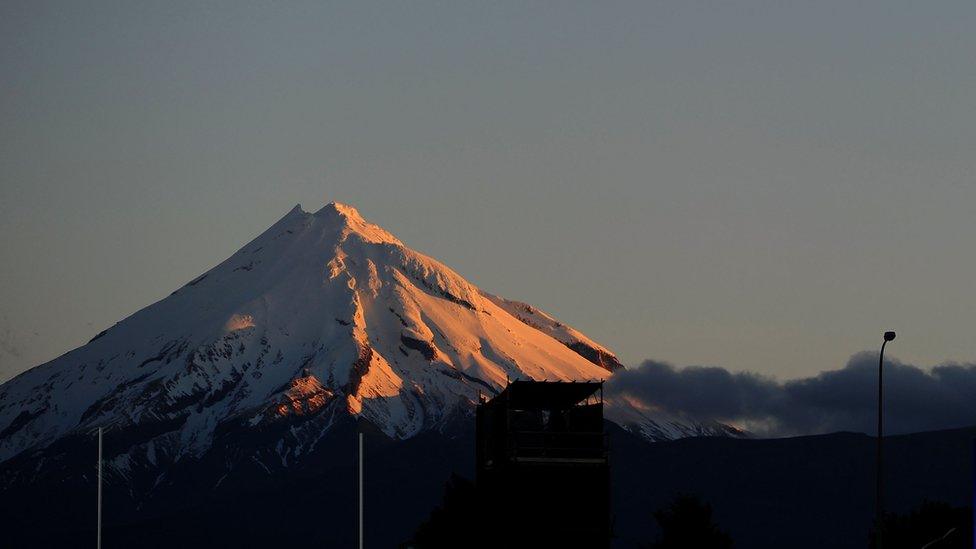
{"points": [[232, 406], [323, 316]]}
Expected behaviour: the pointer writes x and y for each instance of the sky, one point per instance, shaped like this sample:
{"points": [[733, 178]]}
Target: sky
{"points": [[760, 186]]}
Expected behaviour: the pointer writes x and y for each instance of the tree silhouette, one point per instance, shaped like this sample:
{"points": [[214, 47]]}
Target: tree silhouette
{"points": [[687, 524], [933, 525]]}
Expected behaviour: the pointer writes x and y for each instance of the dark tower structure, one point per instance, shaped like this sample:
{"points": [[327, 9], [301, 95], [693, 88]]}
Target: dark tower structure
{"points": [[542, 466]]}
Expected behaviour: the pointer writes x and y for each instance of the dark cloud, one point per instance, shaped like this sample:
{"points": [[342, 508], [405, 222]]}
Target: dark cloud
{"points": [[835, 400]]}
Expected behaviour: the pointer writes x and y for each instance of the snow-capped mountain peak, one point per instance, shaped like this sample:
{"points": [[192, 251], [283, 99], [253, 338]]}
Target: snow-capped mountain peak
{"points": [[322, 315], [350, 221]]}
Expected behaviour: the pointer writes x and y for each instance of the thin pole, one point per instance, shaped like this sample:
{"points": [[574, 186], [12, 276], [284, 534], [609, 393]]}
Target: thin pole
{"points": [[99, 521], [879, 501], [362, 445]]}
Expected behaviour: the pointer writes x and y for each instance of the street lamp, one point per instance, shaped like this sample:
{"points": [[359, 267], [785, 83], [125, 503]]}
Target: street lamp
{"points": [[879, 505], [98, 524]]}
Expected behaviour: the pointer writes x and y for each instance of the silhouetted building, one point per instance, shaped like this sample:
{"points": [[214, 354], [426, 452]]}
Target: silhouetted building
{"points": [[542, 466]]}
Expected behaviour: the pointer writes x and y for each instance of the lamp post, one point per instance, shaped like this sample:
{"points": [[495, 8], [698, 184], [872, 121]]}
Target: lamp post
{"points": [[98, 521], [879, 502], [362, 472]]}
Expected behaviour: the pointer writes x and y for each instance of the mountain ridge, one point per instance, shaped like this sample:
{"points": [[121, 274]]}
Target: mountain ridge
{"points": [[323, 315]]}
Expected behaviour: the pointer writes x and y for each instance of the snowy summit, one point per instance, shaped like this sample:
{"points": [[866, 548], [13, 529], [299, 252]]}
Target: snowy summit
{"points": [[322, 316]]}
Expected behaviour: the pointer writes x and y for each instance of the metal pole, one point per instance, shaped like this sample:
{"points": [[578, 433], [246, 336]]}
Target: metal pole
{"points": [[879, 507], [879, 487], [362, 444], [99, 520]]}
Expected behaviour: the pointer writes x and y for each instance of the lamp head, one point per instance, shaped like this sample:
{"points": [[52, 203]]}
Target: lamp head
{"points": [[888, 336]]}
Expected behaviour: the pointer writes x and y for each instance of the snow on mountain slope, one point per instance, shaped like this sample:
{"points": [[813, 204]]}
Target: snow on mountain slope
{"points": [[322, 315], [567, 335]]}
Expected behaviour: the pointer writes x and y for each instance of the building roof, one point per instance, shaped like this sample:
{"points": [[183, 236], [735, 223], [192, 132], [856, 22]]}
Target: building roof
{"points": [[546, 395]]}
